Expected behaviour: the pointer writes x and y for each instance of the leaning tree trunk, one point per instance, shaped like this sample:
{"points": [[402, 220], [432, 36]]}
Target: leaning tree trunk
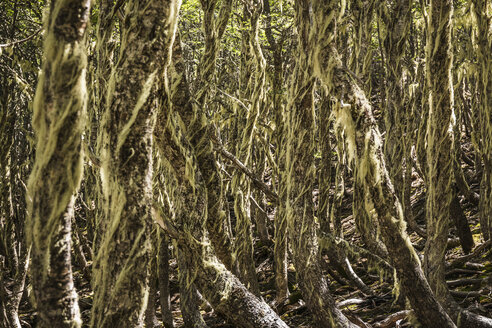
{"points": [[121, 266], [365, 149], [59, 117], [219, 286]]}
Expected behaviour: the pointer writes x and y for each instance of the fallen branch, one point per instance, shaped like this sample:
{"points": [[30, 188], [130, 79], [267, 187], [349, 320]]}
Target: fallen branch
{"points": [[461, 271], [463, 259], [393, 319], [462, 294], [466, 282], [349, 302]]}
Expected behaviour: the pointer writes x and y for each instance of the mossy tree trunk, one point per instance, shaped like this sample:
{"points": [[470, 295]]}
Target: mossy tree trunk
{"points": [[121, 265], [396, 20], [104, 62], [220, 287], [59, 118], [440, 173], [15, 152], [163, 276], [280, 222], [439, 139], [198, 131]]}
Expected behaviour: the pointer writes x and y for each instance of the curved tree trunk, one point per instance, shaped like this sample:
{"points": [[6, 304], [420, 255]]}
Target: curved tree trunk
{"points": [[121, 266]]}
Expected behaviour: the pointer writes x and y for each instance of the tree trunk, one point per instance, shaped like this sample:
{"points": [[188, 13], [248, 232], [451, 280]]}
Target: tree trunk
{"points": [[121, 268], [439, 141], [59, 116], [218, 285], [300, 173], [165, 297], [484, 78]]}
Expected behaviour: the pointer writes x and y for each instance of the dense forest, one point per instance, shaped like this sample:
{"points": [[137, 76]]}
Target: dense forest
{"points": [[246, 163]]}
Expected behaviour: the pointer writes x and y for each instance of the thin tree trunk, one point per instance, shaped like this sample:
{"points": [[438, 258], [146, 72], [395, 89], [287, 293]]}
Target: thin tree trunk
{"points": [[189, 297], [199, 135], [484, 78], [150, 315], [300, 173], [440, 139], [218, 285]]}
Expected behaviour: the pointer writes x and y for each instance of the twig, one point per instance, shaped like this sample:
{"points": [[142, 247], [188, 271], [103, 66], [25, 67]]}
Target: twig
{"points": [[272, 196], [13, 43]]}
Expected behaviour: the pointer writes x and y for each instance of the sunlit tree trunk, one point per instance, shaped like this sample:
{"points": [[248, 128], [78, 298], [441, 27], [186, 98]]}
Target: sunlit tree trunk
{"points": [[121, 266], [59, 118]]}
